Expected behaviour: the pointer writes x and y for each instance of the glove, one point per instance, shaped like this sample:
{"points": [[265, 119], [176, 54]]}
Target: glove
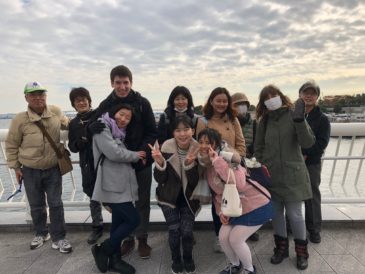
{"points": [[96, 127], [298, 112]]}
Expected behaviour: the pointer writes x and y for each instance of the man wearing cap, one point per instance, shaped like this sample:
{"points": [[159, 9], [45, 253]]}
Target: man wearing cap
{"points": [[35, 163], [241, 104], [320, 126]]}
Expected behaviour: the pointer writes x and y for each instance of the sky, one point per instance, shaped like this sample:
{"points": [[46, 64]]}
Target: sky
{"points": [[240, 45]]}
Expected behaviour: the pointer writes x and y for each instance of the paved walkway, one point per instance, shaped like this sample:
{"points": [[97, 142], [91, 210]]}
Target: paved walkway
{"points": [[342, 251]]}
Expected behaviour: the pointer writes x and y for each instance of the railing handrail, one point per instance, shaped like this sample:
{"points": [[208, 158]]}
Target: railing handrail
{"points": [[339, 130]]}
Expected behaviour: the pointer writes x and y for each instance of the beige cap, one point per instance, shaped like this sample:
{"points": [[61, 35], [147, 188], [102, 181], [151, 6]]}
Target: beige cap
{"points": [[239, 97]]}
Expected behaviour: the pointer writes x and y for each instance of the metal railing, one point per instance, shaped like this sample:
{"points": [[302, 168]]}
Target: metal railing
{"points": [[343, 175]]}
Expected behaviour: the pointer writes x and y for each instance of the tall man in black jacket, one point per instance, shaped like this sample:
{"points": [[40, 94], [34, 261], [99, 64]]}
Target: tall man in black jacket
{"points": [[140, 132], [320, 126]]}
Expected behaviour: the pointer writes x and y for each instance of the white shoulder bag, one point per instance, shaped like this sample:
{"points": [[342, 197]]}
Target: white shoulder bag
{"points": [[231, 203]]}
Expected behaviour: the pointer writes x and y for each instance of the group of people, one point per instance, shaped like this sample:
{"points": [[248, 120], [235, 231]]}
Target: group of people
{"points": [[119, 141]]}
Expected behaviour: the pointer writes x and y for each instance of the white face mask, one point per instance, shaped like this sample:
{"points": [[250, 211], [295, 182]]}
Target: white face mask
{"points": [[242, 109], [273, 103], [181, 110]]}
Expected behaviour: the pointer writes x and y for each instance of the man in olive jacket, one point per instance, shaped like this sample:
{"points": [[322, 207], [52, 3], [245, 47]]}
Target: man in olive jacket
{"points": [[32, 157], [321, 128]]}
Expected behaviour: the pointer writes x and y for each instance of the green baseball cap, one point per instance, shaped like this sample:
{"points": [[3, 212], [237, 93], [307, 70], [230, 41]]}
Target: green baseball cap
{"points": [[33, 86]]}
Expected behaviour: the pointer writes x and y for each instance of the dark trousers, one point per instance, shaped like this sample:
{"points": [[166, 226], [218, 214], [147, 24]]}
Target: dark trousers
{"points": [[125, 219], [41, 185], [96, 216], [216, 221], [180, 222], [313, 213], [143, 205]]}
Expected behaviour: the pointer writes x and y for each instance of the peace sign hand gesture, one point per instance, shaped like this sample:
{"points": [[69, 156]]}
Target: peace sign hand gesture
{"points": [[212, 153], [156, 154], [191, 156]]}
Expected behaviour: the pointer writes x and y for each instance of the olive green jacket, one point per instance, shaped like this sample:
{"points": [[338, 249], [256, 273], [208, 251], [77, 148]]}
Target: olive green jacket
{"points": [[278, 146]]}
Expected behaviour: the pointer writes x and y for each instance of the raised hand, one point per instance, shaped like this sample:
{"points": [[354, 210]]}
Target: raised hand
{"points": [[191, 156], [212, 153], [156, 154], [299, 109]]}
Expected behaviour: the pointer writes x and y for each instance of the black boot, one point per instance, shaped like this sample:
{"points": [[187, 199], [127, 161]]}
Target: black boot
{"points": [[301, 248], [116, 264], [281, 249], [95, 234], [101, 254]]}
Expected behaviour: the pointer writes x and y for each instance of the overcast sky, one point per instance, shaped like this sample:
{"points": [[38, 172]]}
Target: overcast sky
{"points": [[240, 45]]}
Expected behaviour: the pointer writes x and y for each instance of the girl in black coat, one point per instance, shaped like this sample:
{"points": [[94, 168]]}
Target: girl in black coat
{"points": [[176, 173]]}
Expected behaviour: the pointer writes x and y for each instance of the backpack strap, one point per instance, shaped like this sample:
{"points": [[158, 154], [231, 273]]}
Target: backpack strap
{"points": [[204, 120], [167, 119], [248, 180]]}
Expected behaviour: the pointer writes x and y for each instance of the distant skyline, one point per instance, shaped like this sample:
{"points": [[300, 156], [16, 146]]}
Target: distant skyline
{"points": [[240, 45]]}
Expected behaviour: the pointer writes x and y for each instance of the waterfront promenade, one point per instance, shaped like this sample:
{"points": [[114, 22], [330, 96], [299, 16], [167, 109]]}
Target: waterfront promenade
{"points": [[342, 249]]}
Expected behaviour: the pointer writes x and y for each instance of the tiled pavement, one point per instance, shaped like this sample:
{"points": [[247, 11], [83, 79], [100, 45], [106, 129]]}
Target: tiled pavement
{"points": [[342, 249]]}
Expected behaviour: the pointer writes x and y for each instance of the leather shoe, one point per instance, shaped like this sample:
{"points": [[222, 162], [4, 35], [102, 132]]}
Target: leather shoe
{"points": [[127, 247], [144, 250]]}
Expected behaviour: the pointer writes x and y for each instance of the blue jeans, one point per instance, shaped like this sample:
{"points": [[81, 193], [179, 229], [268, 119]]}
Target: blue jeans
{"points": [[41, 184], [125, 219]]}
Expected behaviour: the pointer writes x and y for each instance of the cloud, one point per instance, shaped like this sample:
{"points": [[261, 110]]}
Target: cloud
{"points": [[242, 45]]}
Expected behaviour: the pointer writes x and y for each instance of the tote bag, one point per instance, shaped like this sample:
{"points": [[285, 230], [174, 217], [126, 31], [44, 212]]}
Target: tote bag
{"points": [[231, 203]]}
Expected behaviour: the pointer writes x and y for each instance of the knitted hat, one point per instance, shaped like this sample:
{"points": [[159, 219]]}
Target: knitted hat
{"points": [[239, 97], [33, 86], [310, 85]]}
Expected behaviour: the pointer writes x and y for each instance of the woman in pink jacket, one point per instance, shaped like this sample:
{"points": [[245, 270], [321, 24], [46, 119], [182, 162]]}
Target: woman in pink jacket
{"points": [[256, 205]]}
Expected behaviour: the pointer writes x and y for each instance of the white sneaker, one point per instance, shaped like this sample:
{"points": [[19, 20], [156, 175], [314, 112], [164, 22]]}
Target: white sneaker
{"points": [[38, 241], [217, 246], [63, 246]]}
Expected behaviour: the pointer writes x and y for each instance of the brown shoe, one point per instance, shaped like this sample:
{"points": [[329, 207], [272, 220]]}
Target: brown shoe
{"points": [[144, 249], [127, 247]]}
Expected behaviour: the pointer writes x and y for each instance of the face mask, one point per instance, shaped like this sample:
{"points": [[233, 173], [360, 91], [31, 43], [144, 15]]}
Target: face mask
{"points": [[180, 110], [273, 103], [242, 109]]}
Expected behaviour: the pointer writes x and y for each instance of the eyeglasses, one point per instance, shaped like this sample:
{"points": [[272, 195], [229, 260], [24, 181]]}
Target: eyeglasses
{"points": [[17, 191]]}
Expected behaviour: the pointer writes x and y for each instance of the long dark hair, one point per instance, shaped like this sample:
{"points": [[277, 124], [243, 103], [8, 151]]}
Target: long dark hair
{"points": [[261, 109], [179, 90], [208, 110]]}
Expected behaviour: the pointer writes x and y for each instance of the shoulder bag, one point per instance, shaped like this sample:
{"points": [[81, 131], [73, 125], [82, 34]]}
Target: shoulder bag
{"points": [[63, 155], [231, 203]]}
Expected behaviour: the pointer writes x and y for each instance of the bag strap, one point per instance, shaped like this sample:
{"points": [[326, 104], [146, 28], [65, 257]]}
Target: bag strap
{"points": [[50, 140], [99, 162], [230, 171], [248, 180]]}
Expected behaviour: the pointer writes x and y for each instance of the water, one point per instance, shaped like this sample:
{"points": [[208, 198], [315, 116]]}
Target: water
{"points": [[334, 190], [69, 193]]}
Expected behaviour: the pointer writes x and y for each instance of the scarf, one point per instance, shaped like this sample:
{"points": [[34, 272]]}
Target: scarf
{"points": [[115, 130]]}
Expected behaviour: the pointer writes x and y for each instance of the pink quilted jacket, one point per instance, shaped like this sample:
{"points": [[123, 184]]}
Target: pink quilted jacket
{"points": [[251, 198]]}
